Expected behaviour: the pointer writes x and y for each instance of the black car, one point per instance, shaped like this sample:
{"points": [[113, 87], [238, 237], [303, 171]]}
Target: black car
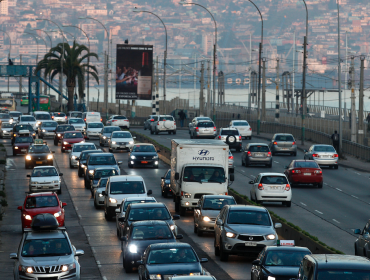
{"points": [[38, 154], [140, 236], [166, 184], [278, 262], [101, 172], [143, 155], [47, 129], [59, 132], [169, 259], [20, 127], [82, 160]]}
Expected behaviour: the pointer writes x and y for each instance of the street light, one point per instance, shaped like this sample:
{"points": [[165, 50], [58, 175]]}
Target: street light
{"points": [[303, 97], [182, 2], [165, 54], [340, 90]]}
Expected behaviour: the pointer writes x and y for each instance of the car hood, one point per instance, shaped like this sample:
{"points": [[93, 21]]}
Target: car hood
{"points": [[36, 211], [211, 213], [282, 270], [22, 145], [174, 268], [251, 229], [44, 179], [73, 140], [144, 154], [47, 260]]}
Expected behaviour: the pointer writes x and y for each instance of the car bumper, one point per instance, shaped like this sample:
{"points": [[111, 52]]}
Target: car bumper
{"points": [[274, 196], [6, 134], [67, 147], [235, 145], [47, 134], [326, 161], [104, 141], [254, 160], [92, 134], [276, 149], [238, 247], [72, 275], [245, 133], [151, 162], [302, 179], [20, 151], [206, 226], [166, 129], [45, 187], [121, 147], [99, 198], [205, 135], [40, 162], [60, 120], [74, 162]]}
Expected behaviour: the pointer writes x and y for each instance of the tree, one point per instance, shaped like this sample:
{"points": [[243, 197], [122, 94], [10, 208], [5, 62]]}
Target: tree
{"points": [[73, 67]]}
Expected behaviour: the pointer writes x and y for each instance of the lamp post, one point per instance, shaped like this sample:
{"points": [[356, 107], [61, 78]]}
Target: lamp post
{"points": [[182, 2], [10, 49], [303, 97], [165, 54], [340, 90]]}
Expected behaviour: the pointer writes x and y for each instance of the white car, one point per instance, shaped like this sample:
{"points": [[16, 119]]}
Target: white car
{"points": [[93, 129], [6, 129], [97, 193], [77, 123], [45, 178], [163, 123], [120, 140], [59, 117], [195, 121], [76, 152], [15, 115], [120, 121], [271, 187], [27, 119], [244, 128]]}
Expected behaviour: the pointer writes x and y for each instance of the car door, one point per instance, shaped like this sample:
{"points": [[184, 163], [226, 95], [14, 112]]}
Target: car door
{"points": [[126, 225], [255, 185], [257, 273], [141, 269], [364, 239], [197, 212], [287, 170], [218, 228], [106, 189]]}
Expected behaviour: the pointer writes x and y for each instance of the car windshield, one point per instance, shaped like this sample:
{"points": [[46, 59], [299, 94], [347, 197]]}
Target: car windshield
{"points": [[146, 213], [102, 160], [80, 148], [204, 174], [284, 258], [245, 123], [44, 172], [4, 116], [84, 155], [7, 125], [120, 118], [217, 203], [23, 127], [271, 180], [324, 149], [121, 135], [23, 140], [168, 176], [76, 121], [166, 118], [15, 115], [95, 125], [38, 149], [110, 129], [42, 117], [256, 149], [62, 128], [103, 183], [151, 232], [284, 138], [306, 164], [173, 255], [249, 217], [229, 132], [206, 124], [41, 202], [144, 148], [127, 187], [343, 274], [203, 119], [71, 135], [104, 173], [127, 203], [49, 124], [59, 114], [76, 115], [46, 247], [27, 119]]}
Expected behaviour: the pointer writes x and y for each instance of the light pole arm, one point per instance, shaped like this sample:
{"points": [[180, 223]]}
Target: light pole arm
{"points": [[306, 17], [261, 20], [165, 28], [213, 18]]}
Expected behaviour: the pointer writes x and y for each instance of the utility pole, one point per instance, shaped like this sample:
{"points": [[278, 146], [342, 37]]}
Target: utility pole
{"points": [[293, 73], [277, 108], [303, 94], [263, 89], [353, 101], [209, 88], [250, 70], [20, 78], [361, 104], [106, 84], [201, 97], [153, 86], [156, 90]]}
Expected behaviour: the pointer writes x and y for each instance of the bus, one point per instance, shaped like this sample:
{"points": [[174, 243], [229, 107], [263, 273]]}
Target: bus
{"points": [[44, 103], [7, 102]]}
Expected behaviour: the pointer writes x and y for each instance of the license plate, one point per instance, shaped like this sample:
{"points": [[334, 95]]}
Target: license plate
{"points": [[324, 156], [307, 174], [274, 187], [144, 162], [123, 146], [258, 155], [45, 187], [38, 162], [284, 149], [23, 150], [250, 244]]}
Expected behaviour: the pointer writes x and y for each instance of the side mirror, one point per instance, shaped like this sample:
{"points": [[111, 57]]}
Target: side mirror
{"points": [[117, 210], [256, 262], [203, 260], [60, 174], [120, 162], [219, 222], [123, 238], [64, 204], [177, 176], [149, 192], [356, 231], [13, 256], [19, 207], [104, 193], [232, 177], [176, 217], [121, 219], [79, 253], [139, 262], [53, 152], [28, 175], [278, 225], [251, 182], [179, 236]]}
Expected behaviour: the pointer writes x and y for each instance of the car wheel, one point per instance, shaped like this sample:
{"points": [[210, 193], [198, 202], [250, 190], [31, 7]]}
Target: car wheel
{"points": [[200, 233], [41, 137], [79, 172], [87, 185], [130, 166], [287, 203], [217, 249], [295, 154], [105, 215], [144, 127], [272, 153], [55, 143], [151, 131], [259, 201], [156, 132], [246, 164], [26, 166], [250, 195], [62, 150], [269, 165], [60, 191], [336, 166], [96, 205], [169, 132], [127, 267], [70, 165], [174, 132], [319, 185], [195, 228], [223, 255], [110, 150], [182, 211], [177, 204], [242, 162]]}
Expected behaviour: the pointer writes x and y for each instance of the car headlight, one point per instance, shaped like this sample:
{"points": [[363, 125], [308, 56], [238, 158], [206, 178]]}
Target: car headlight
{"points": [[91, 172], [112, 200], [206, 219], [172, 227], [55, 182], [28, 217], [82, 165], [43, 130], [133, 157], [131, 142], [4, 130], [28, 157], [155, 276], [16, 148], [74, 157], [68, 267], [114, 142], [270, 237], [38, 123], [65, 143], [59, 135], [33, 134], [155, 157], [56, 215], [132, 248], [83, 141], [271, 278], [27, 269], [194, 274], [187, 195], [230, 235], [50, 156], [104, 137], [100, 195]]}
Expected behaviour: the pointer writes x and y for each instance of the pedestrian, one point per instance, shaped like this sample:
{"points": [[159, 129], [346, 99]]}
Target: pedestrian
{"points": [[335, 139], [182, 117], [368, 122], [350, 119]]}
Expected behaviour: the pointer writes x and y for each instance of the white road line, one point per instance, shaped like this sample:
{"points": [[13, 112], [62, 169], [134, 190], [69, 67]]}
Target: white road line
{"points": [[243, 171], [80, 216], [76, 208], [303, 204], [98, 262], [339, 189], [354, 196], [104, 278], [319, 212], [336, 221], [357, 173], [253, 176], [276, 162], [325, 184]]}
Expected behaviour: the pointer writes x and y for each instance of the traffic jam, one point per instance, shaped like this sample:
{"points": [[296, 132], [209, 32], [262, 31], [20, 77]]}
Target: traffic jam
{"points": [[198, 180]]}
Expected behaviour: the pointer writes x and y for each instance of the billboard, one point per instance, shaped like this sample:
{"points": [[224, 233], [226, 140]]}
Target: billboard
{"points": [[134, 72]]}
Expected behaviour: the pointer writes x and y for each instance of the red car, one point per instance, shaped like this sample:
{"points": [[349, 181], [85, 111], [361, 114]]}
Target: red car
{"points": [[21, 144], [38, 203], [70, 138], [304, 172]]}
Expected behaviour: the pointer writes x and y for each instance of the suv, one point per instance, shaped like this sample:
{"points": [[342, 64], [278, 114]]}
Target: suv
{"points": [[232, 137], [45, 252], [163, 123], [203, 129], [120, 121], [243, 230], [283, 143]]}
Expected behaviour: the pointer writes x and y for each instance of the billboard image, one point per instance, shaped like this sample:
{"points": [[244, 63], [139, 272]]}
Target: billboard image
{"points": [[134, 72]]}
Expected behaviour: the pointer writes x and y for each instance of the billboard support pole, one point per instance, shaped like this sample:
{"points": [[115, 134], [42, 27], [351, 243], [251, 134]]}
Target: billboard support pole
{"points": [[106, 84], [156, 90]]}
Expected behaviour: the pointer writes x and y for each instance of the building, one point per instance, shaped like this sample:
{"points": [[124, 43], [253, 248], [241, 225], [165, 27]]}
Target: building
{"points": [[4, 7]]}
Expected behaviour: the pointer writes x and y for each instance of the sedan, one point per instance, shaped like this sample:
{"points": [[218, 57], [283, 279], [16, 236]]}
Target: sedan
{"points": [[97, 193], [59, 117], [27, 119], [283, 143], [5, 118], [93, 129], [169, 259], [244, 128], [22, 144], [106, 133], [59, 132], [143, 155], [77, 123], [166, 184], [38, 155], [6, 129], [19, 127], [45, 178], [82, 161], [255, 153], [304, 172], [120, 121], [101, 172], [323, 155], [70, 138], [271, 187], [204, 129], [76, 152], [47, 129], [120, 140], [142, 234]]}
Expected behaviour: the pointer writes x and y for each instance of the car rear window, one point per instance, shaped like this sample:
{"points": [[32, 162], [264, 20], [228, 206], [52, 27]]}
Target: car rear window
{"points": [[59, 114], [4, 116], [324, 149], [120, 118], [41, 201], [306, 164], [43, 117], [27, 119], [229, 132], [285, 138], [95, 125], [70, 135], [23, 127], [206, 124], [165, 118], [65, 128], [264, 149], [241, 123], [274, 180]]}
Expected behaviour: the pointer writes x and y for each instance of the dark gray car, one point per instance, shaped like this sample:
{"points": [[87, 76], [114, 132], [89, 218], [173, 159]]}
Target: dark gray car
{"points": [[283, 143], [255, 153], [105, 134]]}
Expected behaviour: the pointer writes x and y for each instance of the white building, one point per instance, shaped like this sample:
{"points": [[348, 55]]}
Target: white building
{"points": [[4, 7]]}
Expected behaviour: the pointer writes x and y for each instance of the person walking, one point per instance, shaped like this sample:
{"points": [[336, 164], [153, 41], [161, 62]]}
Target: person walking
{"points": [[182, 117], [335, 139], [368, 122]]}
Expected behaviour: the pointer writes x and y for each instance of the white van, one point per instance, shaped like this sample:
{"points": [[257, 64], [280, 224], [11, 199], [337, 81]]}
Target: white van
{"points": [[91, 117]]}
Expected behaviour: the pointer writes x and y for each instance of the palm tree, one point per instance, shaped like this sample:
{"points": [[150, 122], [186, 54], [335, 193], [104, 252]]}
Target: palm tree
{"points": [[73, 67]]}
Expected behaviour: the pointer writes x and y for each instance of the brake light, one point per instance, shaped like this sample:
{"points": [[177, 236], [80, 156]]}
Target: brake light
{"points": [[66, 117], [287, 187], [231, 157], [126, 120], [114, 120], [318, 172], [21, 100], [152, 120], [85, 120], [335, 155], [101, 119], [174, 123], [249, 154], [240, 138], [250, 129], [157, 123], [92, 113], [296, 171], [293, 143], [219, 137], [197, 129], [315, 155], [260, 187], [182, 193], [214, 128], [275, 143], [269, 154], [225, 193]]}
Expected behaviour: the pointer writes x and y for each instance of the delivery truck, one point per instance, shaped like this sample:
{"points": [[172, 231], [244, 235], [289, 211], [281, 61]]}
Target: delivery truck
{"points": [[198, 167]]}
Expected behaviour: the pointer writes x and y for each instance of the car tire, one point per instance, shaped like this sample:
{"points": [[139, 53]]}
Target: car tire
{"points": [[144, 127], [287, 203], [182, 211], [106, 216], [156, 132], [60, 191], [336, 166], [110, 150], [259, 201], [127, 267], [151, 131], [87, 185], [251, 197], [130, 166], [62, 150], [169, 132], [269, 165], [79, 172], [224, 257], [55, 143], [217, 249], [177, 204], [295, 154], [95, 204], [246, 164], [70, 165], [26, 166], [41, 137], [272, 153], [356, 253], [200, 233], [319, 185], [195, 228], [174, 132]]}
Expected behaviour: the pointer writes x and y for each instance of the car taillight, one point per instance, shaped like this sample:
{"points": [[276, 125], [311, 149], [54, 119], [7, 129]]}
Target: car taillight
{"points": [[101, 119], [214, 128], [114, 120], [250, 129], [66, 117], [226, 193], [157, 123], [152, 120], [293, 143], [240, 138], [53, 117], [85, 120], [249, 154], [231, 157], [260, 187], [219, 137], [335, 155], [21, 100], [275, 143], [269, 154], [315, 155], [318, 172], [126, 120], [287, 187], [197, 129], [296, 171]]}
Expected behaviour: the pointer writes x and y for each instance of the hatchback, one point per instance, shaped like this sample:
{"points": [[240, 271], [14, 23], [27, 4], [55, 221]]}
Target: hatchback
{"points": [[120, 121], [255, 153], [304, 172], [323, 155], [283, 143], [59, 117], [93, 129], [244, 128], [204, 129], [120, 140], [47, 129], [70, 138]]}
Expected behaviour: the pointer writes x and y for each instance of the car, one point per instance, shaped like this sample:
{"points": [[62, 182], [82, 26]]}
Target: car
{"points": [[120, 121], [6, 118], [142, 234], [60, 130], [244, 128], [362, 243], [120, 187], [121, 211], [148, 121], [166, 184], [101, 172], [256, 153], [193, 277], [20, 127], [39, 203], [304, 172], [47, 129], [283, 143], [97, 193], [278, 262], [15, 116], [323, 154], [41, 116], [231, 162], [27, 119], [6, 129], [24, 101], [46, 252], [82, 160], [232, 137], [96, 160], [93, 129], [204, 129], [59, 117], [76, 152], [163, 123], [21, 144], [271, 187], [77, 123], [105, 134], [74, 114], [170, 259], [44, 178], [120, 140], [143, 154], [205, 214], [243, 230], [91, 117], [38, 154], [195, 121], [70, 138]]}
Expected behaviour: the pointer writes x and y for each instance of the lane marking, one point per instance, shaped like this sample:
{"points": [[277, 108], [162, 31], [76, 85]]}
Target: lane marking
{"points": [[243, 171], [325, 184], [105, 278], [336, 221], [357, 173], [303, 204], [79, 216], [354, 196], [276, 162], [98, 262], [338, 189], [253, 176], [319, 212]]}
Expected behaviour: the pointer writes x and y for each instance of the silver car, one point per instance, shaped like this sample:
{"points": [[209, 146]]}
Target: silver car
{"points": [[93, 129], [255, 153], [148, 121], [323, 155], [204, 129], [231, 161], [15, 115], [6, 129], [76, 151], [283, 143], [77, 123], [47, 129], [121, 140], [243, 230], [105, 134], [5, 118], [59, 117], [195, 121], [97, 193], [205, 214]]}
